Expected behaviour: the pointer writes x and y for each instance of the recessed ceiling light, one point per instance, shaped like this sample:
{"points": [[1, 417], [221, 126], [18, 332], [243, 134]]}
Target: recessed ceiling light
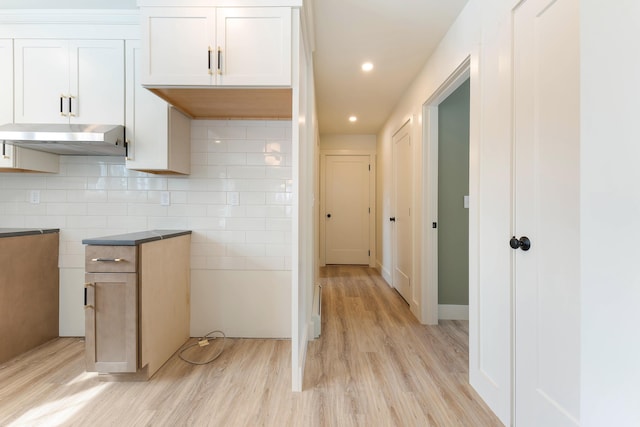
{"points": [[353, 119], [367, 66]]}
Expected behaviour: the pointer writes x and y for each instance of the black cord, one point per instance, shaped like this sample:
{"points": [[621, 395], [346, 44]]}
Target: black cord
{"points": [[204, 341]]}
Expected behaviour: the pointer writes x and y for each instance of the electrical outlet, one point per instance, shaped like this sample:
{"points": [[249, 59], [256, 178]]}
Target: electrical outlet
{"points": [[165, 198], [233, 198], [34, 197]]}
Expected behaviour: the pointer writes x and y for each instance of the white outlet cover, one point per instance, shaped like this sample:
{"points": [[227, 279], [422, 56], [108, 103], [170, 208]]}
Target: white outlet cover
{"points": [[233, 198], [165, 198], [34, 197], [466, 202]]}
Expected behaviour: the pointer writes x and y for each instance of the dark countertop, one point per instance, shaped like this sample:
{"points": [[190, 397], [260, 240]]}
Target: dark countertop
{"points": [[13, 232], [133, 239]]}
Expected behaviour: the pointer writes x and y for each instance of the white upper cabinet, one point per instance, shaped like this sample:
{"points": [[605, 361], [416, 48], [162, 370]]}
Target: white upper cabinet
{"points": [[6, 81], [69, 81], [177, 43], [159, 136], [216, 46], [16, 159]]}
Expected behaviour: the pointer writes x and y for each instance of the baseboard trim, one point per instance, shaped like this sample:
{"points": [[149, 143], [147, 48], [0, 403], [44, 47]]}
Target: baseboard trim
{"points": [[386, 274], [453, 312]]}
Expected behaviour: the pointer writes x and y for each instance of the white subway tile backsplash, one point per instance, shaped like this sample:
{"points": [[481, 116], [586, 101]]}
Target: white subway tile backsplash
{"points": [[252, 146], [246, 224], [167, 223], [227, 158], [227, 132], [278, 172], [237, 201], [107, 183], [147, 184], [67, 183], [267, 159], [110, 209], [253, 197], [127, 196], [69, 209], [207, 197], [265, 133]]}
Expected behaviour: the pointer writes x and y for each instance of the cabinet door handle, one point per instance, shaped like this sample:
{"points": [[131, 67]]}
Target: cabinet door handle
{"points": [[209, 60], [219, 60], [107, 259], [62, 98], [86, 285], [70, 113]]}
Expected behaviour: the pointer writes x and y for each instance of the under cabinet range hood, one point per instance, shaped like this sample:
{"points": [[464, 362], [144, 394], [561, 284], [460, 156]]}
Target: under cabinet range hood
{"points": [[66, 139]]}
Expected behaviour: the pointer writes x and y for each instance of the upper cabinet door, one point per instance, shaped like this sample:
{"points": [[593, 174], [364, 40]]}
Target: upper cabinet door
{"points": [[41, 81], [6, 81], [253, 46], [69, 81], [96, 81], [178, 46]]}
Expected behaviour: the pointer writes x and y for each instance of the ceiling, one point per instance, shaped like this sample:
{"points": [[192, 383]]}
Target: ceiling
{"points": [[397, 36]]}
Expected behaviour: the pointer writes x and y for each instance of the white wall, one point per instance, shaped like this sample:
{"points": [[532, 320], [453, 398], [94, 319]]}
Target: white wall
{"points": [[362, 143], [610, 213], [240, 253]]}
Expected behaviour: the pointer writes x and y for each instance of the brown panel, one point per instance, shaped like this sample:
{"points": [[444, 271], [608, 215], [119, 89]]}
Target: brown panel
{"points": [[29, 295], [114, 308], [165, 288], [126, 254], [220, 103]]}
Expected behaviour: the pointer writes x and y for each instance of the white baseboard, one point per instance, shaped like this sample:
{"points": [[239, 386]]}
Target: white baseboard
{"points": [[453, 312], [386, 274]]}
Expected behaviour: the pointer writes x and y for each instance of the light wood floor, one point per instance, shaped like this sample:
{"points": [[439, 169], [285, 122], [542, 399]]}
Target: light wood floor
{"points": [[374, 365]]}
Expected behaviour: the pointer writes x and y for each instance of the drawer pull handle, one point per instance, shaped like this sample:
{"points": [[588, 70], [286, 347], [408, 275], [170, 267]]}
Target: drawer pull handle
{"points": [[107, 259]]}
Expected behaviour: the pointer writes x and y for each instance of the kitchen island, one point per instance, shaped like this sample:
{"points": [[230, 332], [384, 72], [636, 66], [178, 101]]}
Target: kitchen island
{"points": [[29, 289], [137, 301]]}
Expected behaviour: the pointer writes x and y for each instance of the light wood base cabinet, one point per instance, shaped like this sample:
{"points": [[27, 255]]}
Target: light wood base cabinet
{"points": [[137, 306], [29, 295]]}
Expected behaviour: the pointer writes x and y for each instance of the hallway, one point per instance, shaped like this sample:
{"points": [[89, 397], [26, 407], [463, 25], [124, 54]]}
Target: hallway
{"points": [[376, 365]]}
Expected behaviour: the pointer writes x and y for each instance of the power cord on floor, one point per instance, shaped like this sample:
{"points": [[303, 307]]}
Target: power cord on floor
{"points": [[203, 342]]}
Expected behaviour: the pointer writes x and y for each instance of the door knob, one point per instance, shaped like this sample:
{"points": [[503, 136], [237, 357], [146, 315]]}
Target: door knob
{"points": [[523, 243], [328, 215], [392, 219]]}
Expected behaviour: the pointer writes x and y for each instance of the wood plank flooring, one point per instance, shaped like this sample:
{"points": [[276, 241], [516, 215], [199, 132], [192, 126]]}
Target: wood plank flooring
{"points": [[374, 365]]}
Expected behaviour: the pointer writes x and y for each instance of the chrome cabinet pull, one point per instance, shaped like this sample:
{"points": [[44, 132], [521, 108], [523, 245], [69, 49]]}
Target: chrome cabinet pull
{"points": [[107, 259]]}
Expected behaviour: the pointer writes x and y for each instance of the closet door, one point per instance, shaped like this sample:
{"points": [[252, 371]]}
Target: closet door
{"points": [[546, 221]]}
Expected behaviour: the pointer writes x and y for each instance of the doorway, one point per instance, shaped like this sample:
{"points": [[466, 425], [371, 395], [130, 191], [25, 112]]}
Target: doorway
{"points": [[347, 197], [430, 218], [452, 223]]}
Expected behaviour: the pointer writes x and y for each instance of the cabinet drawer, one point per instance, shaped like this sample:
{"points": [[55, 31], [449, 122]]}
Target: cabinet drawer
{"points": [[111, 259]]}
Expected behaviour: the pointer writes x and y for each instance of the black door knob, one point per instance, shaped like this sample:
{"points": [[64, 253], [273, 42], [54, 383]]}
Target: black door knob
{"points": [[328, 215], [523, 243], [392, 219]]}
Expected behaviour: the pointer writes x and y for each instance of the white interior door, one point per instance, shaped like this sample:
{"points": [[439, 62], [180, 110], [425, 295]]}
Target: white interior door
{"points": [[547, 279], [401, 221], [347, 209]]}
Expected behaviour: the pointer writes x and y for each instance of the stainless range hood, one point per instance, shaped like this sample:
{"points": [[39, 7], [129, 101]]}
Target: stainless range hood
{"points": [[66, 139]]}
